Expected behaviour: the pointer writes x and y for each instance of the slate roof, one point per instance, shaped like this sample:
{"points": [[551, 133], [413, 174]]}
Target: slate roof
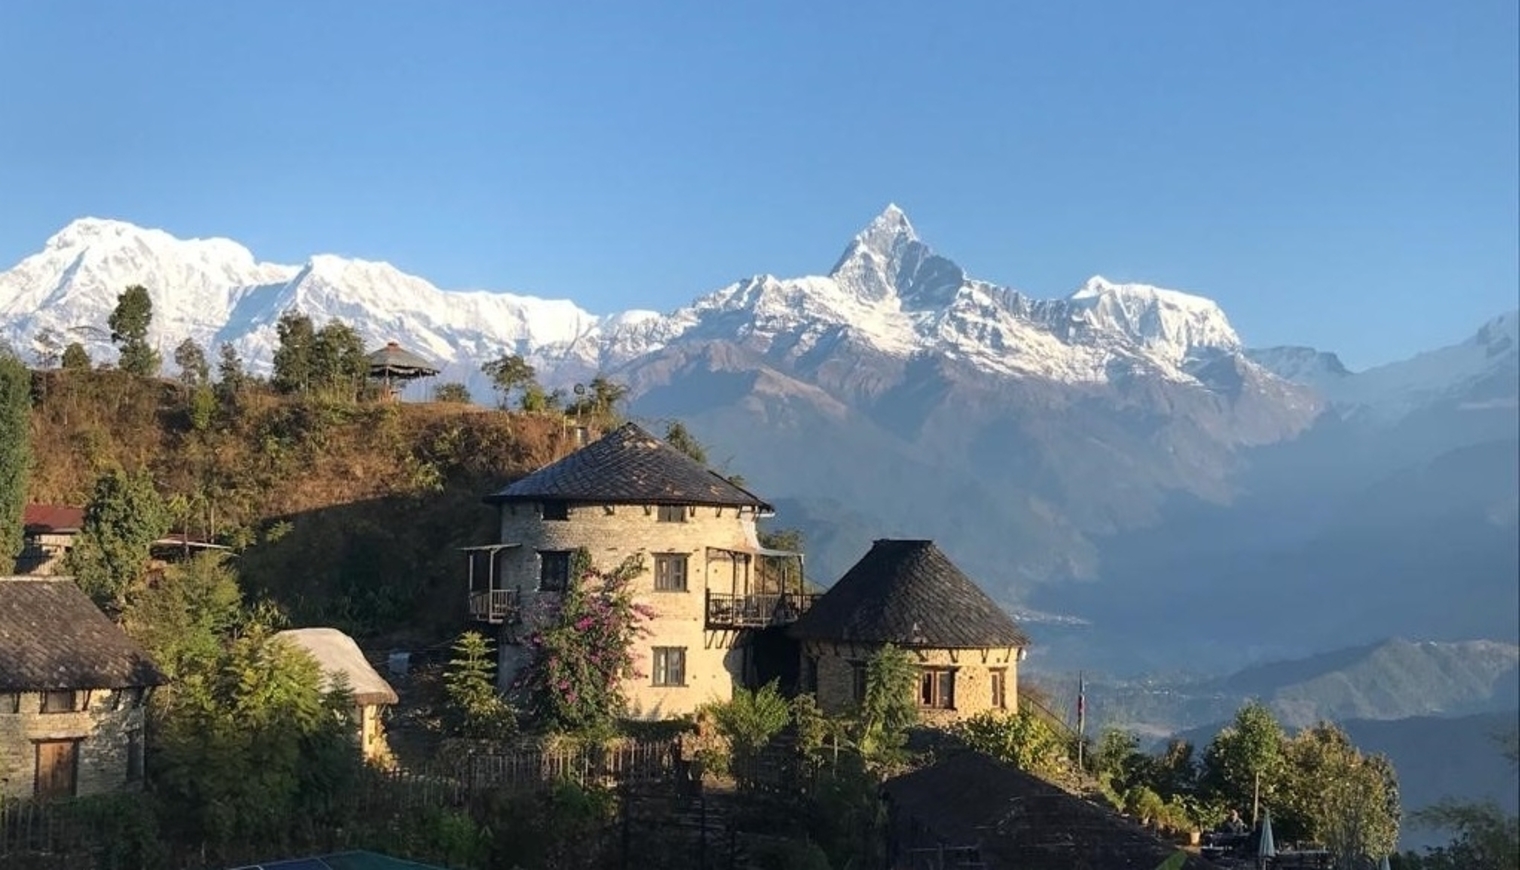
{"points": [[397, 361], [1018, 820], [337, 653], [910, 594], [629, 466], [53, 637]]}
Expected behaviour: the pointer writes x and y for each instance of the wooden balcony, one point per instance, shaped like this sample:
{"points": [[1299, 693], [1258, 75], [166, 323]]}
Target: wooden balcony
{"points": [[755, 611], [495, 606]]}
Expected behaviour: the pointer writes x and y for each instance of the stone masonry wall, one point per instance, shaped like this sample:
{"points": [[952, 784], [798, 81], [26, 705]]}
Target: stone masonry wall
{"points": [[104, 735], [612, 533], [973, 677]]}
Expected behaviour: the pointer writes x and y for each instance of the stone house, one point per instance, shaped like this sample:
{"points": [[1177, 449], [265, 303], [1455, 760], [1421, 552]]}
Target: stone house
{"points": [[48, 532], [909, 594], [72, 691], [720, 598], [340, 658]]}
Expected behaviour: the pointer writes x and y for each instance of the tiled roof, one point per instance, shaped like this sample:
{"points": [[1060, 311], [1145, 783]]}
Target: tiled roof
{"points": [[45, 518], [629, 466], [909, 593], [53, 637], [1019, 820]]}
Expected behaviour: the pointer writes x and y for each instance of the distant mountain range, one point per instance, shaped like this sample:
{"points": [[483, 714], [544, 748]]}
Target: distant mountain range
{"points": [[1116, 457]]}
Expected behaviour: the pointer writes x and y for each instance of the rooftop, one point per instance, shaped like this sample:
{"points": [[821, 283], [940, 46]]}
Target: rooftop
{"points": [[52, 636], [629, 466]]}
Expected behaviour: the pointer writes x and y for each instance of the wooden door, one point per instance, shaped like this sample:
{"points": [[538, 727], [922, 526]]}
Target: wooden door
{"points": [[57, 768]]}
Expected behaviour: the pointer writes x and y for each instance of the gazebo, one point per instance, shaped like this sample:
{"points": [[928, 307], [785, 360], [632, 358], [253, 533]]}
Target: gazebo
{"points": [[395, 363]]}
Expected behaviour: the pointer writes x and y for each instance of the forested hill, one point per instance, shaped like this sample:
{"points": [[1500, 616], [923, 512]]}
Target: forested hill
{"points": [[344, 512]]}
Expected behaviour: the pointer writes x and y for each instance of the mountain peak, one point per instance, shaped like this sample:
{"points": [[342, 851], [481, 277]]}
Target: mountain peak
{"points": [[871, 262], [85, 230]]}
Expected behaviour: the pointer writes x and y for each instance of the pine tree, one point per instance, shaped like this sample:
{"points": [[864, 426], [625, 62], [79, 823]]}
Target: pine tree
{"points": [[124, 517], [191, 359], [76, 358], [293, 358], [129, 328]]}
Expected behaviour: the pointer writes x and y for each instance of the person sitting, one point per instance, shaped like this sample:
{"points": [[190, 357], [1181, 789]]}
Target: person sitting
{"points": [[1234, 824]]}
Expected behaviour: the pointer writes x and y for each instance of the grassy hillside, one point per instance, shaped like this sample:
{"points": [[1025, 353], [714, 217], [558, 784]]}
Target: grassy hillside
{"points": [[345, 514]]}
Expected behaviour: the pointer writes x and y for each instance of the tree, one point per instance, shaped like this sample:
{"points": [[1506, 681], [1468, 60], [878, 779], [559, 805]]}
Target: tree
{"points": [[476, 709], [231, 380], [191, 359], [293, 356], [601, 400], [889, 707], [124, 517], [1242, 762], [510, 373], [338, 365], [76, 358], [15, 453], [748, 721], [129, 328], [183, 616], [1335, 795], [536, 400], [49, 347], [679, 437], [453, 393]]}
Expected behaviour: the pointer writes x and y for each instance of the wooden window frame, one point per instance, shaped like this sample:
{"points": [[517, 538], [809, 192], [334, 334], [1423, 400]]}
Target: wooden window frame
{"points": [[668, 580], [553, 580], [671, 513], [554, 510], [998, 685], [45, 704], [661, 671], [859, 676], [936, 688]]}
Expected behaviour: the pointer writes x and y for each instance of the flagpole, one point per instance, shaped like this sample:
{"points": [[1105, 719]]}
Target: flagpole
{"points": [[1081, 717]]}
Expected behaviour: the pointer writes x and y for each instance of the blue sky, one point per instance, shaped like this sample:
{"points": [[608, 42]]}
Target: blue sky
{"points": [[1338, 174]]}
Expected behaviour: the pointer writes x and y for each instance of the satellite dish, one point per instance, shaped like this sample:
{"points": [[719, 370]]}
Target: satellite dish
{"points": [[580, 389]]}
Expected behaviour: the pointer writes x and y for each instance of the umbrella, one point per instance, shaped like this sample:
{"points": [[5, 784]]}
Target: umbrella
{"points": [[1383, 864], [1267, 847]]}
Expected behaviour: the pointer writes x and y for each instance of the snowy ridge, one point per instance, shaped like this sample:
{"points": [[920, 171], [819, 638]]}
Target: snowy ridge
{"points": [[889, 292]]}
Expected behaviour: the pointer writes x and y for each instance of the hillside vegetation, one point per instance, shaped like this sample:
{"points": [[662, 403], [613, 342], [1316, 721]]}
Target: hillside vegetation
{"points": [[342, 512]]}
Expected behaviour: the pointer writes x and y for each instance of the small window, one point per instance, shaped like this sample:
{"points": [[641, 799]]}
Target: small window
{"points": [[10, 702], [556, 510], [1000, 688], [554, 571], [858, 682], [134, 755], [670, 666], [672, 513], [936, 689], [60, 701], [670, 572]]}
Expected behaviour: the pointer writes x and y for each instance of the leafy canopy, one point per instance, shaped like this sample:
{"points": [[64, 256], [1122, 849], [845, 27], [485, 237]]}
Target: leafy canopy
{"points": [[15, 453], [129, 323]]}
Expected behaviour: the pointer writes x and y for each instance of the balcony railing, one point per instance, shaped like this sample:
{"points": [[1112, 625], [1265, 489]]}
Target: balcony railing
{"points": [[496, 606], [755, 611]]}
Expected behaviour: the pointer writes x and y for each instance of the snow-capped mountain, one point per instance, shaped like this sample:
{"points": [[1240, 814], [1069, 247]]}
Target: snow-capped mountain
{"points": [[889, 292]]}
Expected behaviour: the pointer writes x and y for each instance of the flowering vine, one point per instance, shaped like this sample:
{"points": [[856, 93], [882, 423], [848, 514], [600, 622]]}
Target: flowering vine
{"points": [[583, 648]]}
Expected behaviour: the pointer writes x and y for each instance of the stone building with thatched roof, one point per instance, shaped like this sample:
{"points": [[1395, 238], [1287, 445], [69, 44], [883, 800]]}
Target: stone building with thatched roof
{"points": [[72, 691], [341, 660], [716, 593], [910, 595]]}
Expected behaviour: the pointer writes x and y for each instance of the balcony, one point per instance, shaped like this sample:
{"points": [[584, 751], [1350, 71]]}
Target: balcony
{"points": [[495, 606], [755, 611]]}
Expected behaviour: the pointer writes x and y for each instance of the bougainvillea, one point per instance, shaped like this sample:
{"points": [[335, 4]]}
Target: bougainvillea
{"points": [[583, 648]]}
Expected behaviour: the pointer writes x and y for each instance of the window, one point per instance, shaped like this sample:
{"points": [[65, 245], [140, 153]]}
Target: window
{"points": [[134, 755], [858, 682], [936, 688], [670, 572], [672, 513], [556, 510], [554, 571], [670, 666], [10, 702], [1000, 688], [60, 701], [57, 768]]}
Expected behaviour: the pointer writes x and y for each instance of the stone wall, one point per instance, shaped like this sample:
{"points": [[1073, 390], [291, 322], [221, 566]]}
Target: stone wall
{"points": [[612, 533], [972, 677], [104, 729]]}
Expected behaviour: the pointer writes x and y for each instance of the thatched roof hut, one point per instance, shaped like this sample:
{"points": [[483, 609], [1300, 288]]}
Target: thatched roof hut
{"points": [[337, 653]]}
